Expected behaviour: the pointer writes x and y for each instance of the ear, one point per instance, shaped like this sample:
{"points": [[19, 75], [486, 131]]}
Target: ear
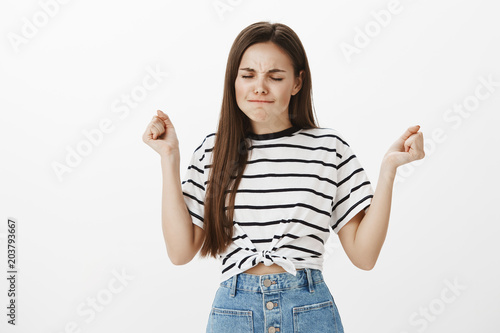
{"points": [[298, 83]]}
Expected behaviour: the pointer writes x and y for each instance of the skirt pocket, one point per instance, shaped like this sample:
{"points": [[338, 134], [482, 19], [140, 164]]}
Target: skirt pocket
{"points": [[318, 317], [230, 320]]}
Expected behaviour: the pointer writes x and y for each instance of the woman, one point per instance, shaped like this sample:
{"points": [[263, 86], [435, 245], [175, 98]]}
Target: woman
{"points": [[263, 192]]}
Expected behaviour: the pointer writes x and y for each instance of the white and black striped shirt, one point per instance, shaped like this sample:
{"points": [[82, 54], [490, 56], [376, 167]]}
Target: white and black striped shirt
{"points": [[297, 184]]}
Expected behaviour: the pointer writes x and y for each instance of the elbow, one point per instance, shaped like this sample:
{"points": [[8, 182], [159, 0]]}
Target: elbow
{"points": [[366, 261], [177, 256], [180, 260], [366, 266]]}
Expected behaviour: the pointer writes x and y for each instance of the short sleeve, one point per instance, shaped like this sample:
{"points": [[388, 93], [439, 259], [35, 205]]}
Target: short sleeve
{"points": [[354, 190], [193, 185]]}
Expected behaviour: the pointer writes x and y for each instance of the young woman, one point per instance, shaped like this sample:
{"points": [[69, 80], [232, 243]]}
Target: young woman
{"points": [[263, 192]]}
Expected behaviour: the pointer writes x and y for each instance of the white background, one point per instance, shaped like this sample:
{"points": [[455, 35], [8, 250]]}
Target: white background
{"points": [[78, 230]]}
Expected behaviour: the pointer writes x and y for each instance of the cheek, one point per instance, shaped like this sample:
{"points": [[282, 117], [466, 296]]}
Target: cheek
{"points": [[285, 93], [239, 89]]}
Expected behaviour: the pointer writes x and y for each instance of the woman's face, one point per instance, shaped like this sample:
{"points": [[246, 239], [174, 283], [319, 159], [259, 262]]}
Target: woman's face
{"points": [[264, 85]]}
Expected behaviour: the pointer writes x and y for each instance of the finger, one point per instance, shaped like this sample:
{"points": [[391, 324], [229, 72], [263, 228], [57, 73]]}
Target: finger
{"points": [[415, 143], [166, 119], [148, 133], [157, 128], [162, 115], [157, 120], [419, 143], [408, 144], [410, 131]]}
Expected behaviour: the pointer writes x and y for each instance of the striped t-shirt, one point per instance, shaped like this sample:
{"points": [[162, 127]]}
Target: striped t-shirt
{"points": [[297, 184]]}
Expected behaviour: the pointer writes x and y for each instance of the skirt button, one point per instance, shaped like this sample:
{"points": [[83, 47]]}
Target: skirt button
{"points": [[267, 282]]}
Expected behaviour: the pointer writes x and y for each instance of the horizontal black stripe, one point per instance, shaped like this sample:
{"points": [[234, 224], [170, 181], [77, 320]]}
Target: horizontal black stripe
{"points": [[240, 237], [288, 160], [243, 260], [324, 136], [228, 268], [288, 145], [234, 252], [354, 189], [350, 209], [346, 179], [278, 190], [196, 168], [317, 238], [298, 175], [268, 240], [303, 259], [282, 206], [194, 198], [259, 224], [194, 183], [298, 248], [196, 215]]}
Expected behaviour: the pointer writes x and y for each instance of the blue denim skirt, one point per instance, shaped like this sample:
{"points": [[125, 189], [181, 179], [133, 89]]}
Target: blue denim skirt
{"points": [[277, 302]]}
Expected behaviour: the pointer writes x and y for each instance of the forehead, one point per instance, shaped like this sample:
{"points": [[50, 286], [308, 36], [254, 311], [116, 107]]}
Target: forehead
{"points": [[264, 56]]}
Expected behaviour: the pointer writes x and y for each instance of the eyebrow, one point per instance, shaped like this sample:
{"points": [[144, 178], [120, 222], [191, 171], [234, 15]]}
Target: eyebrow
{"points": [[274, 70]]}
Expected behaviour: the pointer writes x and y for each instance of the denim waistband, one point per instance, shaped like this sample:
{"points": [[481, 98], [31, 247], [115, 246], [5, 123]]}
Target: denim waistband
{"points": [[268, 283]]}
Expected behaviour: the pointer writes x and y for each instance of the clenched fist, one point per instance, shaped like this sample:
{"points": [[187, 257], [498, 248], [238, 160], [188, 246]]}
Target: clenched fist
{"points": [[160, 135], [408, 148]]}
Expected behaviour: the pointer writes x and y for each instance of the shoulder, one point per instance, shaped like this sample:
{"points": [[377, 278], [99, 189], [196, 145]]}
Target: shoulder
{"points": [[206, 143], [328, 135]]}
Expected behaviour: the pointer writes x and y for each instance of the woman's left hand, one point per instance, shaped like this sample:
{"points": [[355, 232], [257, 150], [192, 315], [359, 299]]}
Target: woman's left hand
{"points": [[408, 148]]}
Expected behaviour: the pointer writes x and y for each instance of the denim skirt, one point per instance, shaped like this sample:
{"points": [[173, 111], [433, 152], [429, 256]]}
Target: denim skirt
{"points": [[277, 302]]}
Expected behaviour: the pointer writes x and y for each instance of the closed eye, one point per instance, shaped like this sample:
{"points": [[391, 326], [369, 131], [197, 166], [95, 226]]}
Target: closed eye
{"points": [[249, 76]]}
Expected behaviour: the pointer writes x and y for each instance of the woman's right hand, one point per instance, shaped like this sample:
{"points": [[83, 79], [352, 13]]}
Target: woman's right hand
{"points": [[160, 135]]}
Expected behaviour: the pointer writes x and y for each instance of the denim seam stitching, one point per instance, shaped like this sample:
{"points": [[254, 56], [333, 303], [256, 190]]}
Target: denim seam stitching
{"points": [[280, 289]]}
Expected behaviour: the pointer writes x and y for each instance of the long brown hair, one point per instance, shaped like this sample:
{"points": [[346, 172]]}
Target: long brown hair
{"points": [[230, 152]]}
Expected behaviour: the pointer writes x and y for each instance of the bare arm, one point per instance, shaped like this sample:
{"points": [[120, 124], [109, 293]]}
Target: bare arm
{"points": [[183, 239], [372, 230], [364, 235]]}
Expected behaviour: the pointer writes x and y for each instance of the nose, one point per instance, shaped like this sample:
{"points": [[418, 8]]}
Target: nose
{"points": [[260, 86]]}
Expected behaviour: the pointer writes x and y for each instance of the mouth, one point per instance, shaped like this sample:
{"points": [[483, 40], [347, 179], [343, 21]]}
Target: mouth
{"points": [[259, 101]]}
